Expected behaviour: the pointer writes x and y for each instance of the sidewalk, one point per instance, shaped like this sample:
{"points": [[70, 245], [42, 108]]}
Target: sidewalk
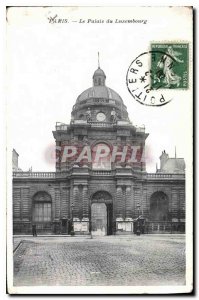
{"points": [[97, 236], [17, 239]]}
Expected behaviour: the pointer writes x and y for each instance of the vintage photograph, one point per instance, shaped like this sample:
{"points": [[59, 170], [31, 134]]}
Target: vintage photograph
{"points": [[99, 118]]}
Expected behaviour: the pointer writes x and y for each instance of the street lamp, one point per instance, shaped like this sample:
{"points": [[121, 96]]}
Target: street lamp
{"points": [[138, 208], [91, 228], [72, 230], [138, 221]]}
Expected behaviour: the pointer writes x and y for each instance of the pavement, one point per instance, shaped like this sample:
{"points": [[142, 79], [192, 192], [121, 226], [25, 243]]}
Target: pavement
{"points": [[111, 260]]}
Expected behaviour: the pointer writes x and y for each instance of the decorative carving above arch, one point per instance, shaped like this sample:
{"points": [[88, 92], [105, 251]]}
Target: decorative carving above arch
{"points": [[101, 197], [42, 197]]}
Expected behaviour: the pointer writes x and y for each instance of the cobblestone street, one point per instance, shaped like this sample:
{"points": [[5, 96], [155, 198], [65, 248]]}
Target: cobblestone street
{"points": [[113, 260]]}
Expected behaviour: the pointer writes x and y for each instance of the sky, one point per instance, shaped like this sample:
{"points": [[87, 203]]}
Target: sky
{"points": [[49, 65]]}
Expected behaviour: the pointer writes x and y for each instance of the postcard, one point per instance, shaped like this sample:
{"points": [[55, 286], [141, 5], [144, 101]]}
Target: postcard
{"points": [[99, 149]]}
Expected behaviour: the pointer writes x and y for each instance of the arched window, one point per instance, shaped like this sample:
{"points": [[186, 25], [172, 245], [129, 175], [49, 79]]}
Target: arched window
{"points": [[159, 207], [42, 207], [101, 157], [81, 116]]}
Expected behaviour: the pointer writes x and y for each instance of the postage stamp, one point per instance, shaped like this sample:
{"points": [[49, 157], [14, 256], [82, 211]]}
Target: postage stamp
{"points": [[169, 65], [153, 74]]}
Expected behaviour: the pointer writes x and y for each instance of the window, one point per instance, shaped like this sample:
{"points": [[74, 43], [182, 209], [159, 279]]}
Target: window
{"points": [[81, 117], [159, 207], [42, 212], [80, 137], [101, 157]]}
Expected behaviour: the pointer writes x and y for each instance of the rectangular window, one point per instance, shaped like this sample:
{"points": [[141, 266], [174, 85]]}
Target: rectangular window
{"points": [[42, 212]]}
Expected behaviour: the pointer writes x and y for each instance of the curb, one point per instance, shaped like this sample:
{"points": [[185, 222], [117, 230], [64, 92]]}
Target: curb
{"points": [[15, 249]]}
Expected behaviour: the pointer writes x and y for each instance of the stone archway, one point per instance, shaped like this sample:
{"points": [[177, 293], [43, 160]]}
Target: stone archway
{"points": [[101, 213], [159, 206]]}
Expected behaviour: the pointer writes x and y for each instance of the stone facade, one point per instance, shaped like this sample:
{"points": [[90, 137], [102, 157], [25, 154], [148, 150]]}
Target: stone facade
{"points": [[100, 185]]}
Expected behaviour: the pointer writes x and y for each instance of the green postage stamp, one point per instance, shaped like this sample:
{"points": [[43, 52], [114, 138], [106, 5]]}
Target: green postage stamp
{"points": [[169, 65]]}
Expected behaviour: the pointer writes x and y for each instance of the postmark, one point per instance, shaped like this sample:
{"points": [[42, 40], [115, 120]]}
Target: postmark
{"points": [[153, 75], [138, 80], [171, 68]]}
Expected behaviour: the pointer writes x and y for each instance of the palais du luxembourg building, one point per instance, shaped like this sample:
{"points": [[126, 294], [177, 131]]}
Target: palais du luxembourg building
{"points": [[100, 184]]}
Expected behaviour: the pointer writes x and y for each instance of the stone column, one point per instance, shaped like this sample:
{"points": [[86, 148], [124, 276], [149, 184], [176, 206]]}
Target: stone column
{"points": [[119, 202], [85, 207], [17, 204], [76, 201], [85, 201], [68, 202], [128, 202], [57, 204], [65, 203], [128, 210], [25, 203]]}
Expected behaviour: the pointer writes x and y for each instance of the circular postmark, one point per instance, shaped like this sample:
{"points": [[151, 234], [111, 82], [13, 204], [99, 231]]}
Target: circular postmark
{"points": [[147, 80]]}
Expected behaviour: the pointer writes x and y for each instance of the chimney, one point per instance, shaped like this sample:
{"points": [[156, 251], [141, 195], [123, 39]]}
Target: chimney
{"points": [[163, 158], [15, 157]]}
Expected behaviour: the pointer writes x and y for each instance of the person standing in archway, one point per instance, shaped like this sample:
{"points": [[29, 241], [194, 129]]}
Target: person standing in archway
{"points": [[34, 230]]}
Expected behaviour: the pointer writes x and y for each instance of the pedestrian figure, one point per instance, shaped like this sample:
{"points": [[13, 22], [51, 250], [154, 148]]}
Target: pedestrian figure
{"points": [[34, 230]]}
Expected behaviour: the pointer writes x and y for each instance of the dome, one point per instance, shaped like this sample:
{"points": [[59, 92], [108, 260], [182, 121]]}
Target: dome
{"points": [[99, 92], [99, 72], [99, 99], [99, 89]]}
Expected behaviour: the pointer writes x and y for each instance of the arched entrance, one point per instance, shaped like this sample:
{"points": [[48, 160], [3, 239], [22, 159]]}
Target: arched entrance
{"points": [[102, 213], [159, 207]]}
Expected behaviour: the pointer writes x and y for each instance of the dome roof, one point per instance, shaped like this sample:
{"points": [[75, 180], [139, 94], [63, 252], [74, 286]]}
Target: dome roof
{"points": [[99, 72], [100, 91], [98, 98]]}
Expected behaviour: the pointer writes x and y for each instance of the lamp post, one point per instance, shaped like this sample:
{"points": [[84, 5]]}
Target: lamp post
{"points": [[72, 225], [138, 221], [91, 228], [138, 208]]}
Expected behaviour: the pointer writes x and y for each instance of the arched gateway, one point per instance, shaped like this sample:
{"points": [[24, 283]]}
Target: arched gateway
{"points": [[101, 213]]}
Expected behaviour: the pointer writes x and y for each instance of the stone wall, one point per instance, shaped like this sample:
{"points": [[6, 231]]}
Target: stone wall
{"points": [[130, 198]]}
